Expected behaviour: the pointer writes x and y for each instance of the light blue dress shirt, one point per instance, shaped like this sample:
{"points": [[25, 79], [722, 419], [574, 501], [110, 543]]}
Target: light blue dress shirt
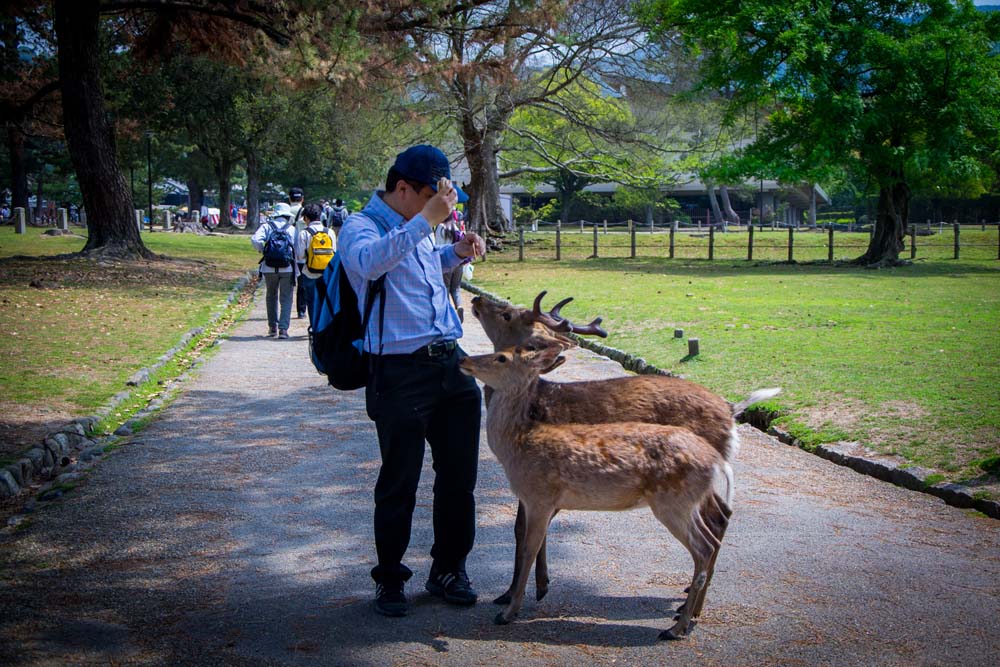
{"points": [[417, 308]]}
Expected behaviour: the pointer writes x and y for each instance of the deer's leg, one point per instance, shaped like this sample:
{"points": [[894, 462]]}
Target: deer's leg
{"points": [[542, 565], [536, 523], [518, 541], [715, 513], [716, 542], [686, 525]]}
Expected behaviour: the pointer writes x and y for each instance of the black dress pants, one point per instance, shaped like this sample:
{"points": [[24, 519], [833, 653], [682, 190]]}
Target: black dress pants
{"points": [[413, 399]]}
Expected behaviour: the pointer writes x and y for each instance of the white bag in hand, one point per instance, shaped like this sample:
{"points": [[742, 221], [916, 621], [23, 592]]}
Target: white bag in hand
{"points": [[467, 271]]}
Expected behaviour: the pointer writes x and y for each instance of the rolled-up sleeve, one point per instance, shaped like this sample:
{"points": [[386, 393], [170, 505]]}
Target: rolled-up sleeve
{"points": [[369, 254]]}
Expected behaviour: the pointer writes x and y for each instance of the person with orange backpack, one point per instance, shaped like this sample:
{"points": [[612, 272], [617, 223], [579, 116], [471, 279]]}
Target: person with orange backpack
{"points": [[314, 249]]}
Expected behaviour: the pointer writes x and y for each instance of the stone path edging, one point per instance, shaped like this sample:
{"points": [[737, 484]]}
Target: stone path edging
{"points": [[54, 454], [849, 454]]}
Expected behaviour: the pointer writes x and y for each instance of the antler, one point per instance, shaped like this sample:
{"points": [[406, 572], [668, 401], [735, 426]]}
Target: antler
{"points": [[592, 329], [552, 321]]}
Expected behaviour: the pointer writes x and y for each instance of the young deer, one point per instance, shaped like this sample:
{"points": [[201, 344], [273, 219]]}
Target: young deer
{"points": [[612, 466], [651, 399]]}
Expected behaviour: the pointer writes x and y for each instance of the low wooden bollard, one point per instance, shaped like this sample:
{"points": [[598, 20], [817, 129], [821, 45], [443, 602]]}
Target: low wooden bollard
{"points": [[20, 227], [693, 350], [678, 333], [673, 230], [829, 244], [595, 240], [711, 242], [750, 244], [168, 221], [631, 231], [957, 244], [520, 244], [558, 241], [63, 216]]}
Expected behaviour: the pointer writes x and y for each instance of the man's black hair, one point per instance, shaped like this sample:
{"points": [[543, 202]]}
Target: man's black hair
{"points": [[312, 212], [393, 178]]}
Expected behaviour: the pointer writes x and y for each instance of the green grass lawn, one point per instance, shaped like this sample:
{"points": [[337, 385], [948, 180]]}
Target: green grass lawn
{"points": [[904, 360], [74, 330]]}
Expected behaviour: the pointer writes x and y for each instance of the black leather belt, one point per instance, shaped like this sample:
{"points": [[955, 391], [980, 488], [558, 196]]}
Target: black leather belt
{"points": [[437, 349]]}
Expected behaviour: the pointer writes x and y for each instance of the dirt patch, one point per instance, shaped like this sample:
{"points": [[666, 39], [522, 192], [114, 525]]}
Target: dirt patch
{"points": [[23, 426]]}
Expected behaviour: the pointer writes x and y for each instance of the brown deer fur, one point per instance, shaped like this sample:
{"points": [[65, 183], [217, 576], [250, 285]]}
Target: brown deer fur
{"points": [[611, 466], [652, 399]]}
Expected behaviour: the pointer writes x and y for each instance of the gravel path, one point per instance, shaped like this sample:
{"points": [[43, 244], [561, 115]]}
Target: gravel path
{"points": [[236, 530]]}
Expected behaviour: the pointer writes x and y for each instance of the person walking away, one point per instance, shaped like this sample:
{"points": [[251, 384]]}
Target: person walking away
{"points": [[314, 249], [296, 198], [416, 393], [337, 215], [275, 240], [448, 233]]}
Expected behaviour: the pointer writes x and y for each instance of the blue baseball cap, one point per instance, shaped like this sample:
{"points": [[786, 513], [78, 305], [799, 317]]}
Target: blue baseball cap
{"points": [[426, 164]]}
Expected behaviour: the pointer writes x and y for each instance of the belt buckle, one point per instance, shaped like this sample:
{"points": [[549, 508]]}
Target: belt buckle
{"points": [[438, 349]]}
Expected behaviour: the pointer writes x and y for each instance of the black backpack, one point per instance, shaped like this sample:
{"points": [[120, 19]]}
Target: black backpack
{"points": [[279, 251], [337, 337]]}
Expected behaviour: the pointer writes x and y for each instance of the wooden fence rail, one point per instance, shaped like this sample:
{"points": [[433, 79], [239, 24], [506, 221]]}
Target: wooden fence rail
{"points": [[801, 242]]}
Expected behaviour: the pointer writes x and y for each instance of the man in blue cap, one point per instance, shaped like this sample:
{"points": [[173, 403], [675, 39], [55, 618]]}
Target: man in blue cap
{"points": [[416, 392]]}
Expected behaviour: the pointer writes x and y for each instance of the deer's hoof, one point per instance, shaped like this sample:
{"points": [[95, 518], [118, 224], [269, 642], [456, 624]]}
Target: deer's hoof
{"points": [[503, 599], [679, 631], [501, 619], [541, 592]]}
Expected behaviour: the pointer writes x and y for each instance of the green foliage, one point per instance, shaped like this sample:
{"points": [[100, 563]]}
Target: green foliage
{"points": [[904, 91]]}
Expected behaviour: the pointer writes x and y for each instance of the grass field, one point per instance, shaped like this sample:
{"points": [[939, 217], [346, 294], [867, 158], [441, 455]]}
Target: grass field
{"points": [[74, 331], [904, 360]]}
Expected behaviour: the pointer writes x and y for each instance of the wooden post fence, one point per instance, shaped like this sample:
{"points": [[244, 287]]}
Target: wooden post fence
{"points": [[520, 244], [673, 230], [913, 241], [956, 240], [711, 242], [558, 241], [631, 231], [791, 231], [829, 244], [750, 243], [595, 240]]}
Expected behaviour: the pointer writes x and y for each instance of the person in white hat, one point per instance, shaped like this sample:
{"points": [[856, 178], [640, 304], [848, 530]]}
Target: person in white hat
{"points": [[275, 240]]}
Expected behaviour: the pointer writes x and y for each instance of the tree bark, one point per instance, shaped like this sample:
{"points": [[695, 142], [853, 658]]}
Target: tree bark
{"points": [[224, 172], [890, 226], [727, 206], [253, 190], [89, 135], [717, 218], [18, 170], [196, 195], [484, 186]]}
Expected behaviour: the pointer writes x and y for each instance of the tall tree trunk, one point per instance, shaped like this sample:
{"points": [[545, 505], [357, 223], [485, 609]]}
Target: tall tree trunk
{"points": [[89, 135], [484, 185], [224, 172], [890, 226], [717, 218], [196, 195], [253, 190], [727, 206], [18, 170]]}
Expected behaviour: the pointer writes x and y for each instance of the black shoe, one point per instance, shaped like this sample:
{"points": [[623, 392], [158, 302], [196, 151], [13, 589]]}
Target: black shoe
{"points": [[454, 587], [390, 600]]}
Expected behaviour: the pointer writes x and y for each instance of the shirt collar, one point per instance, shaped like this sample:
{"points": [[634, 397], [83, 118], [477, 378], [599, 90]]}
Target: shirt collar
{"points": [[382, 213]]}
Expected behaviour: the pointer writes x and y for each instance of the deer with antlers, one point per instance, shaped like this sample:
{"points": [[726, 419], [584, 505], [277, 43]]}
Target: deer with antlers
{"points": [[653, 399], [610, 466]]}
